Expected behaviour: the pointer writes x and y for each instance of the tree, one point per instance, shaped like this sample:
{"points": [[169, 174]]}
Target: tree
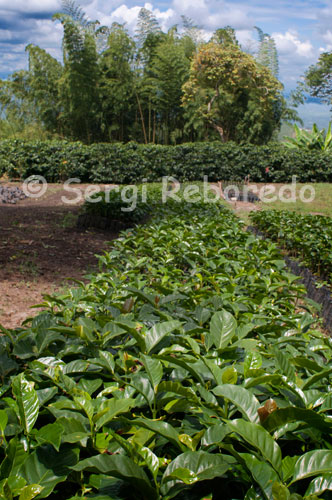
{"points": [[79, 84], [45, 73], [233, 94], [169, 71], [117, 84], [267, 52], [147, 24], [318, 78]]}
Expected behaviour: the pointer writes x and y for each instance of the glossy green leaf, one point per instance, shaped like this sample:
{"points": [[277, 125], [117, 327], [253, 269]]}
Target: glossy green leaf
{"points": [[121, 467], [51, 433], [263, 474], [258, 437], [158, 332], [229, 375], [110, 409], [222, 330], [313, 463], [241, 398], [191, 467], [27, 401], [30, 492], [47, 468], [159, 427], [3, 420], [319, 485], [154, 369]]}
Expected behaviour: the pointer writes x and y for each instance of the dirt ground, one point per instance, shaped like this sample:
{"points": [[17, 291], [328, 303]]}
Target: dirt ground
{"points": [[40, 248]]}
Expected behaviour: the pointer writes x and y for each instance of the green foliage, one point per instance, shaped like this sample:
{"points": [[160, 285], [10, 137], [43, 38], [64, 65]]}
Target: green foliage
{"points": [[267, 52], [315, 140], [157, 379], [131, 163], [111, 86], [127, 204], [318, 78], [233, 94], [306, 236]]}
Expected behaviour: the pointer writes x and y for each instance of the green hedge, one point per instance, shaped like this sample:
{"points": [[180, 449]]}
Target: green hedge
{"points": [[131, 163]]}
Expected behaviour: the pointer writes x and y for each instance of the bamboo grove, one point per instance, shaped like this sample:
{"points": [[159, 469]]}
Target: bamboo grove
{"points": [[150, 87]]}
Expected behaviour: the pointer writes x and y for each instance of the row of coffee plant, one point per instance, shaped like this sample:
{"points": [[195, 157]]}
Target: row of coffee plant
{"points": [[183, 369], [131, 163], [308, 237]]}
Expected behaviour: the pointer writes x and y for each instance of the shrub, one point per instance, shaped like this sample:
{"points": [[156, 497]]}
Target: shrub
{"points": [[131, 163]]}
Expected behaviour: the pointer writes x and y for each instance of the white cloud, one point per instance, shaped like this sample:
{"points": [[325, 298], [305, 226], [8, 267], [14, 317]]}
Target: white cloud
{"points": [[289, 44], [327, 37], [26, 6]]}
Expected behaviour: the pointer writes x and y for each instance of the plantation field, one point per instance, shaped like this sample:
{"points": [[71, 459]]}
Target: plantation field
{"points": [[184, 368], [308, 237]]}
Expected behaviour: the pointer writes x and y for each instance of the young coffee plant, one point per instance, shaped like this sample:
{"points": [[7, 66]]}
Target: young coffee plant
{"points": [[184, 369], [308, 237]]}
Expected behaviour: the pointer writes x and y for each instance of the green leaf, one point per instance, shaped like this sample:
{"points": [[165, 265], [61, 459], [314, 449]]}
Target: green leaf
{"points": [[313, 463], [106, 360], [315, 378], [215, 434], [288, 465], [284, 364], [229, 375], [85, 403], [258, 437], [121, 467], [158, 332], [253, 361], [263, 474], [222, 330], [190, 467], [50, 433], [15, 456], [110, 409], [159, 427], [179, 389], [3, 420], [141, 383], [47, 468], [27, 401], [30, 492], [151, 460], [280, 492], [319, 485], [241, 398], [289, 414], [154, 370]]}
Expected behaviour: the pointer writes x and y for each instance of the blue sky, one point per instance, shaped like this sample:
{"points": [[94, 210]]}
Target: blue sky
{"points": [[302, 29]]}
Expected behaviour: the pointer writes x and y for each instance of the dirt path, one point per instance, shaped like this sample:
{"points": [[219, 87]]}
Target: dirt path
{"points": [[40, 247]]}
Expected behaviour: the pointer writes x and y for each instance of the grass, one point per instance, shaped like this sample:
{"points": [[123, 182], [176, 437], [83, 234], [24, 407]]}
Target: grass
{"points": [[321, 203]]}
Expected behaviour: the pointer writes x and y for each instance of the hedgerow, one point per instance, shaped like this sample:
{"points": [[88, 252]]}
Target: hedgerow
{"points": [[183, 369], [131, 163]]}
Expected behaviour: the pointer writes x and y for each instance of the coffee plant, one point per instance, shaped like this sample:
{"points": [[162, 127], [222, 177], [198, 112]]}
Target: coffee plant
{"points": [[308, 237], [131, 163], [184, 369]]}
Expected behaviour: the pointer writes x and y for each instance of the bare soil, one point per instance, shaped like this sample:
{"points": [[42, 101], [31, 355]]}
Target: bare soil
{"points": [[40, 249]]}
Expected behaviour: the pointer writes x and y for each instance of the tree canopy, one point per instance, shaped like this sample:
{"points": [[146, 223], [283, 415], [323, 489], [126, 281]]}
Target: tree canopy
{"points": [[235, 95], [152, 86]]}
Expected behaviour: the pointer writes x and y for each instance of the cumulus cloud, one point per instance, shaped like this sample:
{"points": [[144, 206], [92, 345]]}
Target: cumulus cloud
{"points": [[289, 43]]}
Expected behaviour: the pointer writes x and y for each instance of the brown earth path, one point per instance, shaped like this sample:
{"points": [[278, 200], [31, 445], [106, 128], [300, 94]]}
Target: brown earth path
{"points": [[40, 247]]}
